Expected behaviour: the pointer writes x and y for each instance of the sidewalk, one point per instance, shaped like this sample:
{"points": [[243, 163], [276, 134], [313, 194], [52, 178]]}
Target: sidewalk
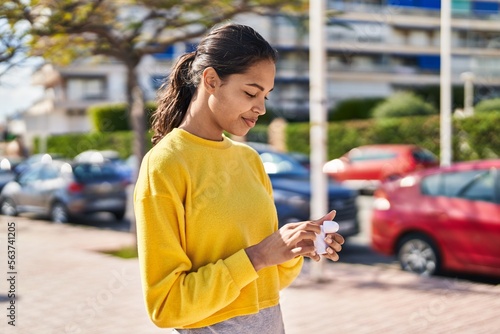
{"points": [[65, 285]]}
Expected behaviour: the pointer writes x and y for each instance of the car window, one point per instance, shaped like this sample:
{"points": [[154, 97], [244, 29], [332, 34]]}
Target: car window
{"points": [[481, 188], [423, 155], [474, 185], [276, 163], [30, 175], [453, 183], [49, 172], [96, 172], [431, 185], [357, 155]]}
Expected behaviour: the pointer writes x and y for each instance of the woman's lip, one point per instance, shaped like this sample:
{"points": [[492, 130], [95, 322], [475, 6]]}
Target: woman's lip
{"points": [[250, 121]]}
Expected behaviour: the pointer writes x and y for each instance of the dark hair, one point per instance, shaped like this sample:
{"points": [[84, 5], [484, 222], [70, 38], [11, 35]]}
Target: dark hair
{"points": [[229, 49]]}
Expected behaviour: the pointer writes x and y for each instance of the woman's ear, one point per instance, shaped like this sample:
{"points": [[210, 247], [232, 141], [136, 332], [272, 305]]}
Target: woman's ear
{"points": [[210, 79]]}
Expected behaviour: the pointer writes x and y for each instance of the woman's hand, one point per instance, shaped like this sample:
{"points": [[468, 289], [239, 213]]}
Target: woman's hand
{"points": [[333, 240], [292, 240]]}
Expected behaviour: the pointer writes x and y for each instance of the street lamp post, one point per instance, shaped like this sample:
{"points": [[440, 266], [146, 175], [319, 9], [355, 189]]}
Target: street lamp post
{"points": [[468, 79], [445, 126], [317, 116]]}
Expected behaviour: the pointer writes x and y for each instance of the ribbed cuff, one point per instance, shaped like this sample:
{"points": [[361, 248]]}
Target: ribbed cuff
{"points": [[241, 268]]}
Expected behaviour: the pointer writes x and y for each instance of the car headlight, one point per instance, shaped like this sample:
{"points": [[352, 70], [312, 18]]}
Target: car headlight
{"points": [[382, 204]]}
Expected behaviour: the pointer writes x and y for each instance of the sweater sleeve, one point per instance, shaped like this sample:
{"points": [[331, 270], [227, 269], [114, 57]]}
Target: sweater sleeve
{"points": [[289, 270], [175, 296]]}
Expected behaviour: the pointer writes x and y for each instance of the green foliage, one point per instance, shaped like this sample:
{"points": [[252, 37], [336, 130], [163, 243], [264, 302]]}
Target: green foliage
{"points": [[109, 118], [403, 104], [71, 29], [476, 137], [432, 94], [258, 133], [70, 145], [479, 136], [489, 105], [423, 130], [297, 137], [343, 137], [114, 117], [356, 108]]}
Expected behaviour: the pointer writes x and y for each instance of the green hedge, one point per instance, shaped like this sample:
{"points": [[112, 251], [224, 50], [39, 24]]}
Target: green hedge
{"points": [[403, 104], [491, 105], [115, 117], [355, 108], [432, 94], [479, 137], [476, 137], [70, 145]]}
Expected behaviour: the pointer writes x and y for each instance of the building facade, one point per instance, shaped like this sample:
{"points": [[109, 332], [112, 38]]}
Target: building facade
{"points": [[374, 48]]}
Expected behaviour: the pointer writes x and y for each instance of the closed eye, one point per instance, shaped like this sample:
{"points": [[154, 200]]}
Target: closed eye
{"points": [[255, 95]]}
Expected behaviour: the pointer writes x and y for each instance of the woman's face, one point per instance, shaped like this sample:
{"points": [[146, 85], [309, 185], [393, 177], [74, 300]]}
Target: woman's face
{"points": [[238, 100]]}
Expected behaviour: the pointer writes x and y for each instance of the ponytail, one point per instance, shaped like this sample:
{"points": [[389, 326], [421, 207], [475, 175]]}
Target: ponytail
{"points": [[229, 49], [174, 100]]}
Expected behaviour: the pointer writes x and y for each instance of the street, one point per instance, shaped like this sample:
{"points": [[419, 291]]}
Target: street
{"points": [[64, 283], [356, 250]]}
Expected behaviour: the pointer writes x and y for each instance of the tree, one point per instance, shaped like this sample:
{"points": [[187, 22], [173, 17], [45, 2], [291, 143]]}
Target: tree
{"points": [[402, 104], [128, 30], [13, 36]]}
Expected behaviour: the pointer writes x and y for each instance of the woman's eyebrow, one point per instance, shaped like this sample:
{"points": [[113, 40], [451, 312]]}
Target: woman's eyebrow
{"points": [[258, 86]]}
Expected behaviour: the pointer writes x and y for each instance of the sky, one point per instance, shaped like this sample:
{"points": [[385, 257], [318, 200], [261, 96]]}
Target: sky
{"points": [[16, 91]]}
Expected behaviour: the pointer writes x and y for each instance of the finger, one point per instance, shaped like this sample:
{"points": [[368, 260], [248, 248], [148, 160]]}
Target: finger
{"points": [[301, 226], [339, 238], [336, 246], [304, 250], [329, 216], [331, 254], [313, 256], [334, 237]]}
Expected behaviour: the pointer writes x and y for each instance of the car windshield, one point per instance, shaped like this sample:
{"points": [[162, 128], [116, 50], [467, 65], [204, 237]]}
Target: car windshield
{"points": [[423, 155], [279, 163], [96, 172], [358, 155]]}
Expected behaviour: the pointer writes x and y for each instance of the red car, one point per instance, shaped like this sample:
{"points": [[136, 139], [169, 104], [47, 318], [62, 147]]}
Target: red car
{"points": [[365, 167], [441, 219]]}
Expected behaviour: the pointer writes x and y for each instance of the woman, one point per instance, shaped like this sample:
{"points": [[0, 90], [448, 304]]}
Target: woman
{"points": [[211, 255]]}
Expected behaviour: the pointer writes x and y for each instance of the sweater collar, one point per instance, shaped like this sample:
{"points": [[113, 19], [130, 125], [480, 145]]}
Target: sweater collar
{"points": [[223, 144]]}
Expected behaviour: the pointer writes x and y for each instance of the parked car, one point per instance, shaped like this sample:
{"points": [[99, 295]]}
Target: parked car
{"points": [[35, 158], [365, 167], [60, 190], [7, 172], [441, 219], [292, 191], [99, 156]]}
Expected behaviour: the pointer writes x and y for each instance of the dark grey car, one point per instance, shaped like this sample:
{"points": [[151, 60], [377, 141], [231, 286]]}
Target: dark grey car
{"points": [[59, 190]]}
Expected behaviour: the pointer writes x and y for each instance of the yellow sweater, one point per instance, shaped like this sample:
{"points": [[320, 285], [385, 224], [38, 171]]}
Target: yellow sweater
{"points": [[198, 205]]}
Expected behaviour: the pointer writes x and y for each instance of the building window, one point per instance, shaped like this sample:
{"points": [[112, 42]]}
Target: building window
{"points": [[81, 89]]}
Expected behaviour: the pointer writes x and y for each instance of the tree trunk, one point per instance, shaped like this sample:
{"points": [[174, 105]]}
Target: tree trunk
{"points": [[135, 97], [137, 120]]}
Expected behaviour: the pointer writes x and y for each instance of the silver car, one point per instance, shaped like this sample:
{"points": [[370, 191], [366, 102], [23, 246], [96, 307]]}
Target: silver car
{"points": [[60, 190]]}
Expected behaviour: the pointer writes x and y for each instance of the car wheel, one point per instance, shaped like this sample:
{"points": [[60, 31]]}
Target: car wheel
{"points": [[8, 208], [418, 254], [59, 213], [119, 215]]}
